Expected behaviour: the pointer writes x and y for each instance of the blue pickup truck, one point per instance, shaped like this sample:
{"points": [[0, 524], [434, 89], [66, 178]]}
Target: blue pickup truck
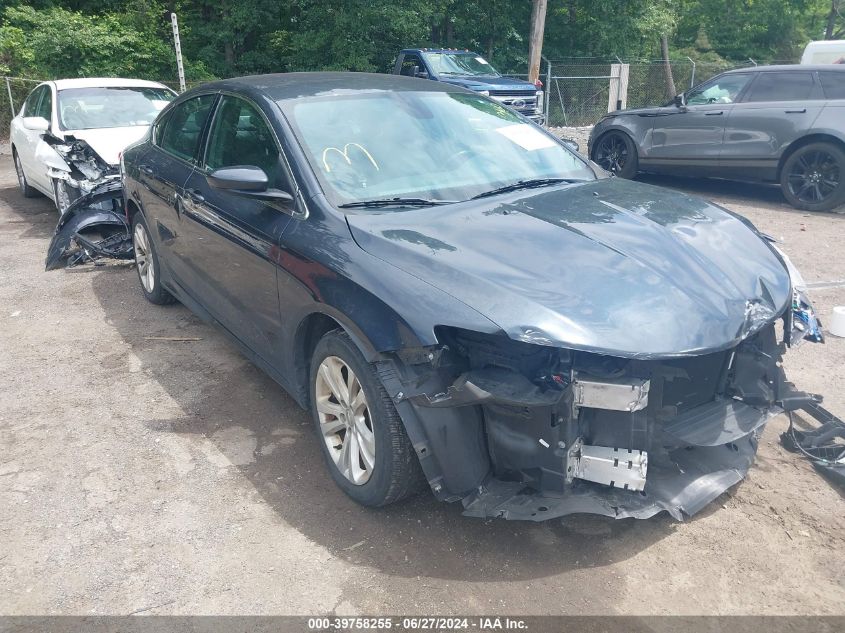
{"points": [[470, 70]]}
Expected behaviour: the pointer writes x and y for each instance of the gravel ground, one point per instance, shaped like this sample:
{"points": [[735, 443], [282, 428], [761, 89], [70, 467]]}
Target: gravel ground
{"points": [[141, 475]]}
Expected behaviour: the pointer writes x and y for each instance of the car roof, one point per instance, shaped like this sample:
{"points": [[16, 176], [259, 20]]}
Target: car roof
{"points": [[105, 82], [285, 86], [793, 67], [459, 51]]}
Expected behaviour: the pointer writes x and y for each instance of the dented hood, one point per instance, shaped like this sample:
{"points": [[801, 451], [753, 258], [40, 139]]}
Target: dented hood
{"points": [[609, 266], [109, 142]]}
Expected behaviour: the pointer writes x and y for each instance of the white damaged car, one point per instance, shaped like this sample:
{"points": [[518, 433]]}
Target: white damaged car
{"points": [[68, 135]]}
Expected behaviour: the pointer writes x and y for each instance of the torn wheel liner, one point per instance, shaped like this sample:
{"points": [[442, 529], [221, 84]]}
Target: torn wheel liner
{"points": [[93, 227]]}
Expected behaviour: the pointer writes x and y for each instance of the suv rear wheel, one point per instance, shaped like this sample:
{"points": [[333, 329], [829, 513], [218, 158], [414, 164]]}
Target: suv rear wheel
{"points": [[813, 177], [361, 435]]}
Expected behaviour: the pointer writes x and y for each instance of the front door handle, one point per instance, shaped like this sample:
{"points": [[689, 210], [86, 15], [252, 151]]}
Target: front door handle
{"points": [[719, 113], [195, 195], [146, 169], [801, 111]]}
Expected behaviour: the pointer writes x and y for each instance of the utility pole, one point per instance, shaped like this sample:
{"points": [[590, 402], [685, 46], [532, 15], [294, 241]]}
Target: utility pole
{"points": [[535, 45], [178, 47]]}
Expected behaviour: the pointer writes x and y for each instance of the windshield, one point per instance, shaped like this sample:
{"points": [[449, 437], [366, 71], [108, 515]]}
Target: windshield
{"points": [[459, 64], [92, 108], [438, 146]]}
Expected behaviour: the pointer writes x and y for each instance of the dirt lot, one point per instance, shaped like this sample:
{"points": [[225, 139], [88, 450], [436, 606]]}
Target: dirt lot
{"points": [[174, 477]]}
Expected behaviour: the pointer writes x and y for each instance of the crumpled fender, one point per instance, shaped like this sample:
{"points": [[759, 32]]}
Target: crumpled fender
{"points": [[46, 155], [93, 209]]}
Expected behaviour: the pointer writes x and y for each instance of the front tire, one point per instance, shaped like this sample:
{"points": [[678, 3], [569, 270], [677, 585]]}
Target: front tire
{"points": [[362, 438], [63, 196], [26, 190], [147, 264], [615, 152], [813, 177]]}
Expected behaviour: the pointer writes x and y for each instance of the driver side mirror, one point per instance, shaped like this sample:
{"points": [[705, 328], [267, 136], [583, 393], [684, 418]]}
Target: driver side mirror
{"points": [[247, 180], [421, 74], [680, 100], [36, 123]]}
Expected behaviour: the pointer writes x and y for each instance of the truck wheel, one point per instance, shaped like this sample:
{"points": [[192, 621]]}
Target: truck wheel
{"points": [[615, 152], [362, 437], [26, 190], [813, 177]]}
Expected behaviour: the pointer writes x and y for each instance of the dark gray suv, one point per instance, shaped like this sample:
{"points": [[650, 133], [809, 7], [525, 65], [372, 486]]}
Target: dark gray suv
{"points": [[782, 124]]}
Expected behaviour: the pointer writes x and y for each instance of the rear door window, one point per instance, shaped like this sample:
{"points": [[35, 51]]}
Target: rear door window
{"points": [[782, 86], [833, 84], [184, 128]]}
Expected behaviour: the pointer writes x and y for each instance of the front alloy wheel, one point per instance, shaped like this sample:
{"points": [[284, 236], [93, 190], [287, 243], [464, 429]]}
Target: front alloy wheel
{"points": [[813, 178], [345, 420], [615, 152], [361, 435]]}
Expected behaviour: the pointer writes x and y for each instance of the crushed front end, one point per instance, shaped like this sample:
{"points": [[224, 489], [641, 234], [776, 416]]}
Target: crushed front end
{"points": [[93, 227], [525, 431], [76, 168]]}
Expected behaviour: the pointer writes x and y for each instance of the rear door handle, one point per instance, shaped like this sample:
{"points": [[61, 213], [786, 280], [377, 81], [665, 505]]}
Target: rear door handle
{"points": [[195, 195], [146, 169], [719, 113], [801, 111]]}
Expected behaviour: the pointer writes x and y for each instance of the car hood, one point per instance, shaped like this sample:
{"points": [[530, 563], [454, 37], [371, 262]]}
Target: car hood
{"points": [[109, 142], [609, 266], [475, 82]]}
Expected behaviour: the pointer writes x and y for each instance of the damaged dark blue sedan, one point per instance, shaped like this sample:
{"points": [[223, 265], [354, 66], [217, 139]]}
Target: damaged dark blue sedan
{"points": [[463, 302]]}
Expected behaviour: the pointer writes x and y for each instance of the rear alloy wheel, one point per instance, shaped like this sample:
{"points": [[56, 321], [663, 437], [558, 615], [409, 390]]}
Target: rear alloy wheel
{"points": [[146, 261], [26, 190], [615, 152], [813, 177], [361, 435]]}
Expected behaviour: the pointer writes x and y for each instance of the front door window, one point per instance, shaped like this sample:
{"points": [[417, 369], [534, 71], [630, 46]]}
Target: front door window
{"points": [[725, 89]]}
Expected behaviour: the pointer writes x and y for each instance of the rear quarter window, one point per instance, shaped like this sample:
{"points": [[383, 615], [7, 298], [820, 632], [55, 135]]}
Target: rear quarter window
{"points": [[785, 86], [833, 84]]}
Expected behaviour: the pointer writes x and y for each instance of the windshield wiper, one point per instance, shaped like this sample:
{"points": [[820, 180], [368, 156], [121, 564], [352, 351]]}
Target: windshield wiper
{"points": [[526, 184], [394, 202]]}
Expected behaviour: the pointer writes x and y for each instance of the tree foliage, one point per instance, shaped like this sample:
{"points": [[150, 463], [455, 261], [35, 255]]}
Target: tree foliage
{"points": [[67, 38]]}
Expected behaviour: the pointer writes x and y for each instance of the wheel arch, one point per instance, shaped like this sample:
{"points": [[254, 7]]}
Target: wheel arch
{"points": [[816, 137], [131, 208], [309, 331]]}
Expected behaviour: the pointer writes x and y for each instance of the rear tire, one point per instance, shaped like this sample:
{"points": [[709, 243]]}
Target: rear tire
{"points": [[813, 177], [147, 264], [362, 438], [26, 190], [615, 152]]}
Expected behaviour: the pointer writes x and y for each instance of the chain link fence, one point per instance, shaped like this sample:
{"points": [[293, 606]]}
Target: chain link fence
{"points": [[579, 91]]}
